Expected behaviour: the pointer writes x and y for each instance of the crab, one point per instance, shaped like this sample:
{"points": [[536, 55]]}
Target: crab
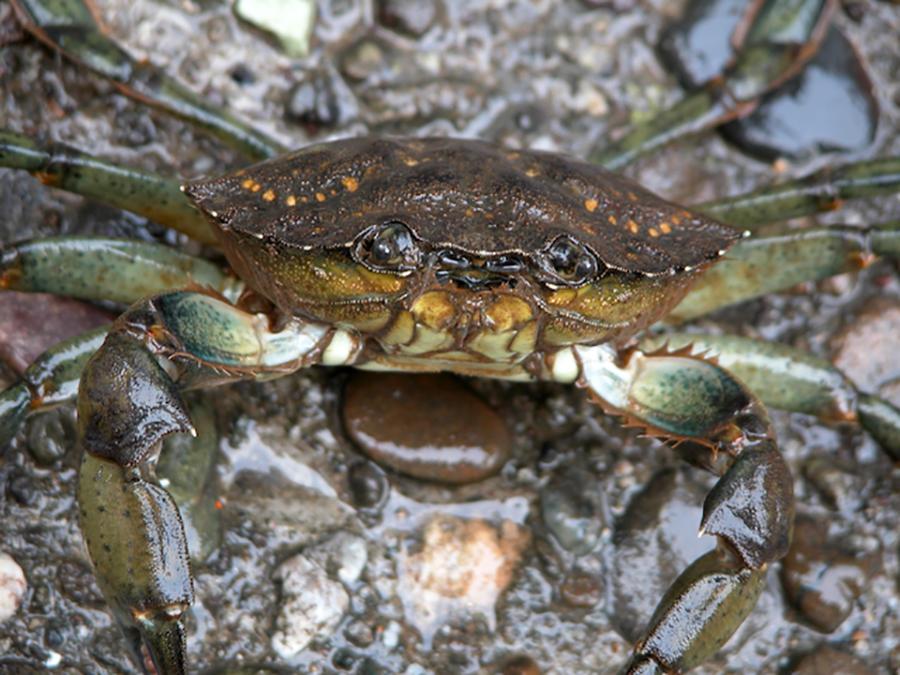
{"points": [[421, 255]]}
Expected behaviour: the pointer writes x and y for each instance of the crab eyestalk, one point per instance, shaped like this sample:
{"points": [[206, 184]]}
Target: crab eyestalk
{"points": [[695, 403]]}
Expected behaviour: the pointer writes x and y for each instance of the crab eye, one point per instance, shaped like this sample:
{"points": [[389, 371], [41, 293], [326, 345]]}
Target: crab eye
{"points": [[571, 261], [390, 246]]}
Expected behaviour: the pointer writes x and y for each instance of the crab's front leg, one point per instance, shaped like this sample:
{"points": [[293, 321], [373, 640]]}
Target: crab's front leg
{"points": [[688, 400], [128, 402]]}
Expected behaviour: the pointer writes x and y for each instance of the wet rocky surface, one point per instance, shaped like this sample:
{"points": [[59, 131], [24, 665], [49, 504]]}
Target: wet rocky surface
{"points": [[580, 546], [830, 106]]}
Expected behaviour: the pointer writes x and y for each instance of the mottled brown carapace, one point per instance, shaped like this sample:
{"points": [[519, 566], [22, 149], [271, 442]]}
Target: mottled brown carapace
{"points": [[593, 254]]}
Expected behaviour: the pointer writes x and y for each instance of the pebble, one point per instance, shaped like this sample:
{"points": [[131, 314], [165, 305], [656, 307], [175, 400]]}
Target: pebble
{"points": [[362, 60], [865, 349], [31, 323], [314, 102], [312, 605], [430, 427], [410, 17], [838, 485], [580, 589], [344, 555], [359, 633], [655, 539], [12, 586], [571, 510], [829, 661], [369, 487], [520, 665], [461, 569], [821, 578], [291, 21]]}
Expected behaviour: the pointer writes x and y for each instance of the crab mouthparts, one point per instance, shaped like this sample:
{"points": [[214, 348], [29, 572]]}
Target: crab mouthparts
{"points": [[477, 273]]}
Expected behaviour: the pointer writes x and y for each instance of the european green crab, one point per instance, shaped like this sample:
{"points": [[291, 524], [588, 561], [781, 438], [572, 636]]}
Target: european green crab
{"points": [[431, 254]]}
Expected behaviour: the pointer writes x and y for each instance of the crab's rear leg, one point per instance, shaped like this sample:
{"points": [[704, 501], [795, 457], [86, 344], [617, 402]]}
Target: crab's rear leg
{"points": [[142, 192], [689, 400], [781, 260], [823, 190], [128, 402]]}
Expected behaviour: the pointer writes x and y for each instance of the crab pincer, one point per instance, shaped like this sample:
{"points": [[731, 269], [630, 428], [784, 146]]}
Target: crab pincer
{"points": [[129, 401], [689, 400]]}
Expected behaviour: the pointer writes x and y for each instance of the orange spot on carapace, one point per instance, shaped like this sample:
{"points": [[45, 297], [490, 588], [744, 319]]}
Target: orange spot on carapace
{"points": [[350, 183], [676, 220], [591, 204], [632, 197], [269, 195], [531, 172], [320, 197], [256, 187], [291, 200], [665, 228], [633, 226], [248, 183], [653, 232], [612, 219]]}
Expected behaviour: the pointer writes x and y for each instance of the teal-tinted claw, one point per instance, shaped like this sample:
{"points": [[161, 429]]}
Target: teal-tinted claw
{"points": [[782, 376], [14, 403], [882, 420], [698, 614]]}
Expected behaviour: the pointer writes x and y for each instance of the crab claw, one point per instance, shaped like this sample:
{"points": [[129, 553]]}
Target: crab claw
{"points": [[133, 530], [136, 540]]}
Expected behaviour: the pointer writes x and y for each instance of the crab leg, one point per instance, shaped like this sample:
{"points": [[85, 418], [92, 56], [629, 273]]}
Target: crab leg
{"points": [[90, 268], [97, 268], [70, 27], [777, 40], [52, 379], [128, 402], [688, 400], [777, 261], [142, 192], [791, 379], [823, 190]]}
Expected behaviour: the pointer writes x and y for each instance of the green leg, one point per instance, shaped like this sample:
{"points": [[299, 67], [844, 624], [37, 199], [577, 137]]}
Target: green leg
{"points": [[69, 27], [51, 380], [96, 268], [693, 402], [790, 379], [157, 198], [820, 191], [778, 261], [128, 402]]}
